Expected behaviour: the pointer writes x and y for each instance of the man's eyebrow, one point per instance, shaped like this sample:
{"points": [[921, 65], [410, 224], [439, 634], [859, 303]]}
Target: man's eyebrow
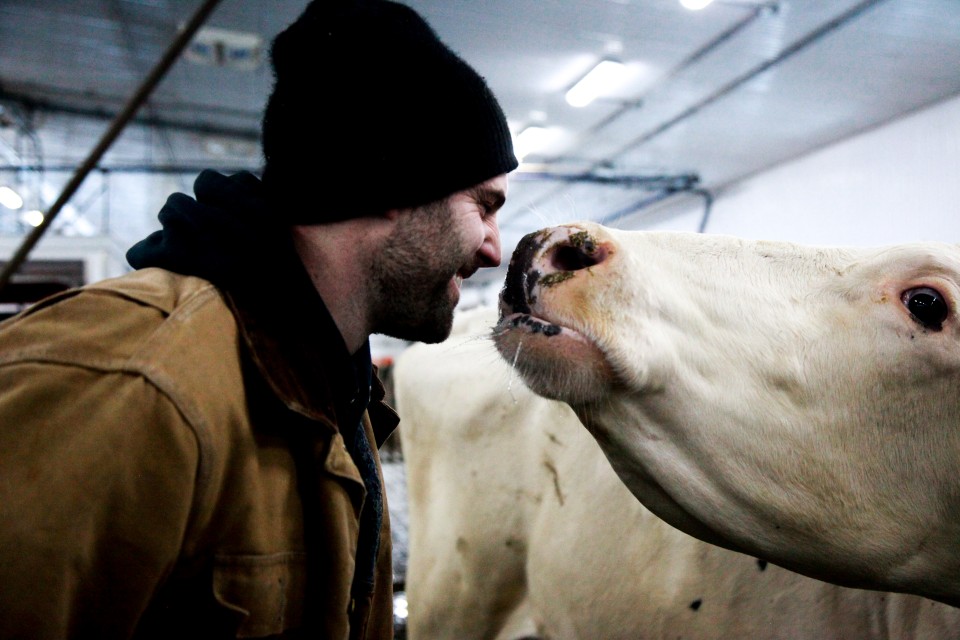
{"points": [[493, 198]]}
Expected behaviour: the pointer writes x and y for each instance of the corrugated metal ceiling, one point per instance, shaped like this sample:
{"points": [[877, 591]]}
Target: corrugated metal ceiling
{"points": [[718, 94]]}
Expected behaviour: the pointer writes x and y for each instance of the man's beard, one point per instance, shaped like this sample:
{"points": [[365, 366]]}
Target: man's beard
{"points": [[412, 276]]}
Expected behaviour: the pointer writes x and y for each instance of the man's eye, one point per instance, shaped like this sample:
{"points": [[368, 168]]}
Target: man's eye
{"points": [[491, 207]]}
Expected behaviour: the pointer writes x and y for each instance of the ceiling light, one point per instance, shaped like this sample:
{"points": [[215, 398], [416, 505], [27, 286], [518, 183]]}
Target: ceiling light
{"points": [[599, 81], [695, 5], [533, 138], [34, 218], [10, 198]]}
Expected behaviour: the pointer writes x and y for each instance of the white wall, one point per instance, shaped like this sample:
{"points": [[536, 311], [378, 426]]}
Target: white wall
{"points": [[100, 257], [896, 183]]}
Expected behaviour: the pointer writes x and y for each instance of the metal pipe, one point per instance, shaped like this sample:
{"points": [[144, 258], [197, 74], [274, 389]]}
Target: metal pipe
{"points": [[42, 105], [612, 218], [170, 169], [707, 208], [795, 47], [136, 101], [679, 181], [688, 62], [649, 181], [660, 197], [738, 82]]}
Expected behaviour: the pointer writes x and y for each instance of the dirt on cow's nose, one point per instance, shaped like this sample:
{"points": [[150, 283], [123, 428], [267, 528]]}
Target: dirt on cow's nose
{"points": [[521, 276], [576, 252]]}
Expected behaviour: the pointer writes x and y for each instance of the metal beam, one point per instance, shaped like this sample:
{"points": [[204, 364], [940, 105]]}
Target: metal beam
{"points": [[29, 100]]}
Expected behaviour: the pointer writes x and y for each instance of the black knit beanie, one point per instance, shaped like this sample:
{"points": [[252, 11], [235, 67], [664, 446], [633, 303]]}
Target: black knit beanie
{"points": [[370, 111]]}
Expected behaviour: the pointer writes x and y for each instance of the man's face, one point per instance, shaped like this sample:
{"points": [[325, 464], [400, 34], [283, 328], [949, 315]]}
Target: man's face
{"points": [[432, 248]]}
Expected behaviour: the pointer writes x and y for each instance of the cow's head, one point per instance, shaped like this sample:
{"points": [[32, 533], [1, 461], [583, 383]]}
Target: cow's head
{"points": [[796, 403]]}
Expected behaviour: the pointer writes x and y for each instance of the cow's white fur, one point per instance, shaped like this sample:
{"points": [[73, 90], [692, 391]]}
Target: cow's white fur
{"points": [[771, 398], [518, 525]]}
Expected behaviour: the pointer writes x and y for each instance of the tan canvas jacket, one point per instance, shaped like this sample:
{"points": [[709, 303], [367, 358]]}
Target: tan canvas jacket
{"points": [[149, 478]]}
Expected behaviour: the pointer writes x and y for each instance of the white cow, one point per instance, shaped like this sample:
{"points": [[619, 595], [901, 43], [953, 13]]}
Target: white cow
{"points": [[520, 528], [800, 404]]}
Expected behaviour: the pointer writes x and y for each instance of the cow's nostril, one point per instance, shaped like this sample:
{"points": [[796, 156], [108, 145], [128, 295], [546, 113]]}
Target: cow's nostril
{"points": [[573, 257]]}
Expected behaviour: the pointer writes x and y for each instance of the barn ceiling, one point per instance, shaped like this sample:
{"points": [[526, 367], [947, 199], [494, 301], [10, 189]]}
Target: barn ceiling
{"points": [[712, 96]]}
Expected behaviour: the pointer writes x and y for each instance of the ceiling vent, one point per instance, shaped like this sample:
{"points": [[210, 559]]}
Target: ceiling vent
{"points": [[225, 48]]}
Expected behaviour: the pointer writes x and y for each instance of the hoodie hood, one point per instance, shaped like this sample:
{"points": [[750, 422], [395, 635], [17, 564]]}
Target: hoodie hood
{"points": [[226, 235]]}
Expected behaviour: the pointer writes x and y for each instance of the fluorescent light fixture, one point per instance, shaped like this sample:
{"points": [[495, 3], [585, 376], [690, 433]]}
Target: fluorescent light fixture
{"points": [[531, 139], [34, 218], [10, 198], [695, 5], [607, 75]]}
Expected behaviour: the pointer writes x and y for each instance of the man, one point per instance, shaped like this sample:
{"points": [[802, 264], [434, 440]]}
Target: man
{"points": [[190, 450]]}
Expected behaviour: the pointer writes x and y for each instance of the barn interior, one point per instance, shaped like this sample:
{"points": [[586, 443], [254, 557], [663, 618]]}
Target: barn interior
{"points": [[815, 121]]}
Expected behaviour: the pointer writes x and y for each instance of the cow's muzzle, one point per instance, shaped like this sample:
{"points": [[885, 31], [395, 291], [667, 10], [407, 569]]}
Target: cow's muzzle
{"points": [[544, 259]]}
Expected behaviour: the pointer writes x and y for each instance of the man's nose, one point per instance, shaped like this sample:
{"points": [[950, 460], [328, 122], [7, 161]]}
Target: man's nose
{"points": [[490, 251]]}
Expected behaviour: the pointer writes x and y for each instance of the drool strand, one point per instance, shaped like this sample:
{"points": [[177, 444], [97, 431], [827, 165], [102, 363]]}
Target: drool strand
{"points": [[513, 373]]}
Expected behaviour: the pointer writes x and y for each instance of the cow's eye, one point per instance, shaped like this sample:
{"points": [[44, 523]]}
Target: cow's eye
{"points": [[927, 306]]}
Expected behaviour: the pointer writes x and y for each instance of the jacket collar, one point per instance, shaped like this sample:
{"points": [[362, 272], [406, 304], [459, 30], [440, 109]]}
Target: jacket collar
{"points": [[300, 353]]}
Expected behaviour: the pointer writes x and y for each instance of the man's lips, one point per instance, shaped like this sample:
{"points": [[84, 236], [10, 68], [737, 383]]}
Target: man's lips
{"points": [[463, 273]]}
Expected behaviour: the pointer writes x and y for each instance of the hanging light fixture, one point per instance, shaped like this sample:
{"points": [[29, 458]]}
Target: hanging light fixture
{"points": [[599, 81], [10, 198], [695, 5], [533, 138], [34, 217]]}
